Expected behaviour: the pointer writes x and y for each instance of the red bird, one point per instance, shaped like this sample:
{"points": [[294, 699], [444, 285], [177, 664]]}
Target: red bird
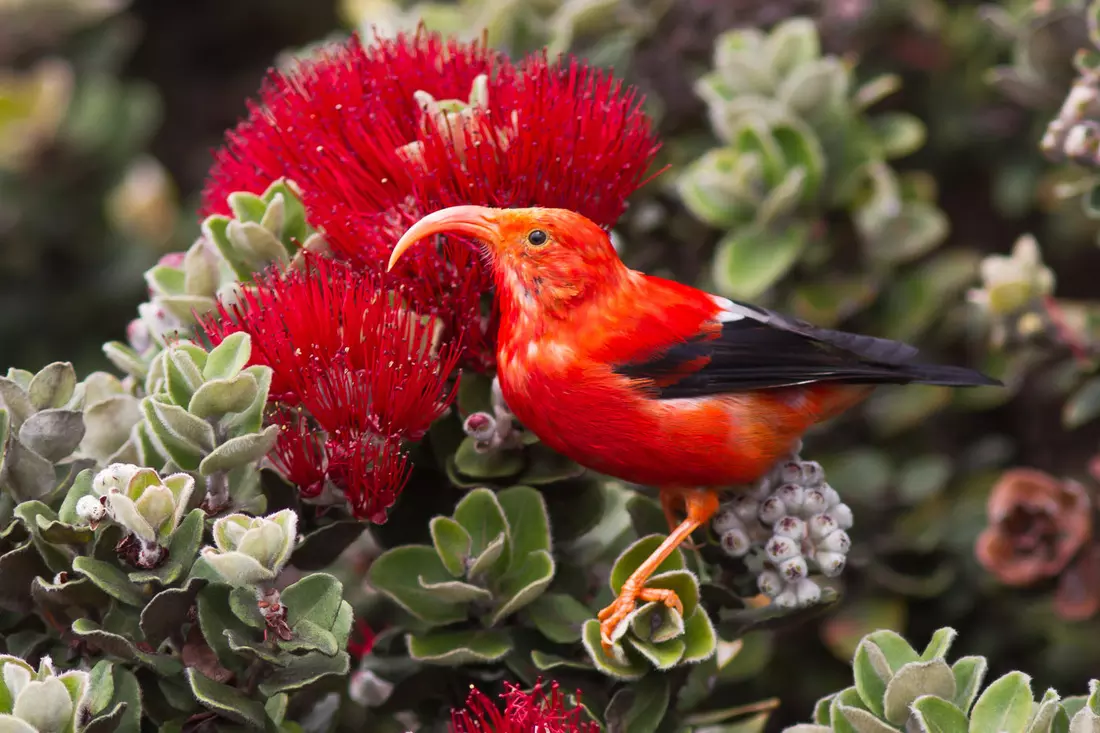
{"points": [[655, 382]]}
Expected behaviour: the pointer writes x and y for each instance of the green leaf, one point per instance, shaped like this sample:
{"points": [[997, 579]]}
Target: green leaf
{"points": [[53, 433], [488, 564], [633, 556], [1004, 707], [898, 134], [481, 515], [455, 648], [474, 393], [110, 580], [315, 598], [178, 434], [895, 648], [239, 451], [251, 420], [749, 262], [1083, 406], [863, 721], [661, 655], [182, 375], [683, 582], [52, 387], [305, 671], [225, 700], [792, 43], [969, 674], [486, 466], [246, 206], [18, 569], [523, 584], [397, 573], [912, 681], [452, 544], [217, 621], [119, 646], [82, 486], [169, 611], [638, 708], [559, 617], [846, 698], [227, 359], [183, 549], [528, 521], [219, 397], [626, 668], [939, 644], [871, 672], [456, 591], [308, 636], [700, 639]]}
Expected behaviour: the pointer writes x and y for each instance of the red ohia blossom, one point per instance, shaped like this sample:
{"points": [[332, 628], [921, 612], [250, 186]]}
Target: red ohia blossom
{"points": [[357, 129], [354, 374], [523, 712]]}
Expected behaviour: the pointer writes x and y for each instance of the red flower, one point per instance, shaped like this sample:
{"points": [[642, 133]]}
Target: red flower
{"points": [[356, 129], [354, 373], [362, 640], [523, 712]]}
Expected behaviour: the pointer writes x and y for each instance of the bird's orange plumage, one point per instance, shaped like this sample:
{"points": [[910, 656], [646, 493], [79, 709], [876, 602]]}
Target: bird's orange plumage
{"points": [[656, 382]]}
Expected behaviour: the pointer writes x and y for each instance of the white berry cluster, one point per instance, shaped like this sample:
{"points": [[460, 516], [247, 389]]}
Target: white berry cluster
{"points": [[785, 525], [494, 431]]}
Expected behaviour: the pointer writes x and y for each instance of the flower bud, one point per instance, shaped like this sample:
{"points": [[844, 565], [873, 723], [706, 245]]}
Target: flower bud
{"points": [[793, 496], [762, 489], [832, 498], [771, 510], [735, 542], [842, 513], [115, 477], [252, 550], [812, 474], [822, 525], [42, 701], [790, 527], [769, 583], [794, 568], [806, 592], [790, 473], [815, 502], [837, 541], [746, 508], [781, 548], [481, 426], [831, 563], [139, 500], [90, 508], [726, 520]]}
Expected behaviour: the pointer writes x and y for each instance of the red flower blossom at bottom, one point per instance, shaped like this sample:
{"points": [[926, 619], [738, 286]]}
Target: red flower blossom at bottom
{"points": [[523, 712]]}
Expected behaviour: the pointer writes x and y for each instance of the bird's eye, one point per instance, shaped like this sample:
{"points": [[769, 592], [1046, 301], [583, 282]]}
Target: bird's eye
{"points": [[537, 237]]}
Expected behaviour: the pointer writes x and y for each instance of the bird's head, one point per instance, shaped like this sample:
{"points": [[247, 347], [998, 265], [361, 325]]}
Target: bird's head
{"points": [[544, 260]]}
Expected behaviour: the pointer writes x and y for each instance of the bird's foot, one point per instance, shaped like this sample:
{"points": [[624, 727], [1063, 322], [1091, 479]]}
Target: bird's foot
{"points": [[624, 605]]}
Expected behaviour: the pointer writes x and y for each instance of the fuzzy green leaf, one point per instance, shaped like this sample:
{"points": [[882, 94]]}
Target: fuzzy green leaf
{"points": [[633, 556], [1004, 707], [225, 700], [397, 573], [456, 591], [749, 262], [53, 433], [871, 672], [481, 515], [452, 543], [455, 648], [183, 549], [169, 610], [627, 668], [16, 401], [110, 580], [184, 438], [320, 548], [700, 639], [559, 617], [308, 636], [53, 386], [523, 584], [219, 397], [239, 451], [1083, 406], [227, 359], [486, 466], [969, 673], [863, 721], [912, 681], [661, 655], [638, 708], [122, 647], [528, 521], [315, 598]]}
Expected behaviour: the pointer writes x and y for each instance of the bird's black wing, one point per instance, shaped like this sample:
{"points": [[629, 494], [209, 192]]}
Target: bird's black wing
{"points": [[749, 347]]}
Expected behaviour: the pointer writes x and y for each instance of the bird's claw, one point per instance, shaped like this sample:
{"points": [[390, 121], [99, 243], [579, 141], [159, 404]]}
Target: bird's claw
{"points": [[624, 605]]}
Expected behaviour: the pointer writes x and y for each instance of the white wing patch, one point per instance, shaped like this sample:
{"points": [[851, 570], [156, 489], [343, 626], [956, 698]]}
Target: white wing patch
{"points": [[734, 312]]}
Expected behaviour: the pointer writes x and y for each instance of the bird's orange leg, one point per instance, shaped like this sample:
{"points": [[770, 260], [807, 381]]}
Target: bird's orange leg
{"points": [[668, 505], [701, 505]]}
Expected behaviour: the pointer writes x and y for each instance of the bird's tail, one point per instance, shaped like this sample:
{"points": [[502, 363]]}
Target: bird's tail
{"points": [[948, 376]]}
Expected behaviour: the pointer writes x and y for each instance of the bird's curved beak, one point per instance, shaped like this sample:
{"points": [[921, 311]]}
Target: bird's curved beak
{"points": [[480, 222]]}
